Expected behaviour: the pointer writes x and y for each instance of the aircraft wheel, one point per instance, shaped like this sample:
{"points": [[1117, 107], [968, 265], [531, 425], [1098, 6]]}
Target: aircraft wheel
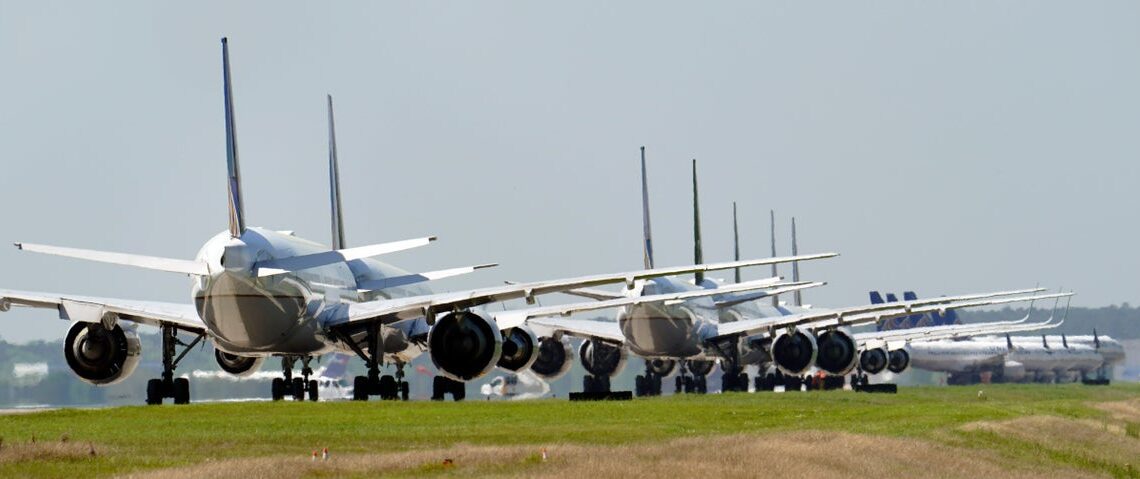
{"points": [[181, 391], [387, 387], [701, 385], [313, 393], [278, 389], [680, 380], [154, 392], [438, 388], [360, 388], [458, 390], [404, 390], [639, 386], [298, 389]]}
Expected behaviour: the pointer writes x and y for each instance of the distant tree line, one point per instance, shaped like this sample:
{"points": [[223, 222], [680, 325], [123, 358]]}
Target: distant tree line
{"points": [[1119, 322]]}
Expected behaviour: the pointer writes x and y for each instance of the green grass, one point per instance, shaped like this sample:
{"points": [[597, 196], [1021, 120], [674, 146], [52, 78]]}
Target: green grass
{"points": [[139, 438]]}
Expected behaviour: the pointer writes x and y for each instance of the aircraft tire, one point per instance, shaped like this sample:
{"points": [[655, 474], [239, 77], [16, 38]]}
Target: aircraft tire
{"points": [[313, 393], [181, 391], [387, 387], [404, 390], [298, 389], [639, 386], [438, 388], [278, 389], [360, 388], [701, 385], [458, 390], [154, 392]]}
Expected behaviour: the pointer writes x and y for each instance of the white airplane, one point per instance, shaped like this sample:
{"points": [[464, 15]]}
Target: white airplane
{"points": [[258, 293], [729, 327], [521, 386]]}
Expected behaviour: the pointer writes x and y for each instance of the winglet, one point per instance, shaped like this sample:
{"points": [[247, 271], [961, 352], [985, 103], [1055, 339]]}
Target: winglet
{"points": [[775, 272], [334, 186], [646, 231], [799, 300], [236, 206]]}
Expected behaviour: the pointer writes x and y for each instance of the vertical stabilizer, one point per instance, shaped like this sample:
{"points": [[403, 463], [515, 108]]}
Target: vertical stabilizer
{"points": [[735, 243], [334, 186], [236, 207], [799, 300], [775, 272], [698, 253], [646, 231]]}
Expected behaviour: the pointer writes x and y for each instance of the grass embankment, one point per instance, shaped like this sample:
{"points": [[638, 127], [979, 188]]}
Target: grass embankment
{"points": [[1012, 431]]}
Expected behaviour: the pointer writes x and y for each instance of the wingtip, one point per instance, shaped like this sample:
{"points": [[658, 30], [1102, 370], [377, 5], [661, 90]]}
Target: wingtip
{"points": [[225, 40], [432, 238], [486, 265], [19, 246]]}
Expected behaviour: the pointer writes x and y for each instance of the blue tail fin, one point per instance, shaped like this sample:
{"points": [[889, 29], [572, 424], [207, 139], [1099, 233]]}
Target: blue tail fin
{"points": [[876, 298], [912, 320]]}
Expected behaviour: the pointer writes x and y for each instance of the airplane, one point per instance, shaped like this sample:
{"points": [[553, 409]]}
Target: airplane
{"points": [[258, 293], [516, 386], [727, 328]]}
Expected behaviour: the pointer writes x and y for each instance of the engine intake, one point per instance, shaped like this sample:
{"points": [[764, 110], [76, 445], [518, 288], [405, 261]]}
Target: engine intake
{"points": [[520, 349], [899, 361], [99, 355], [837, 352], [873, 361], [240, 366], [601, 359], [794, 353], [465, 345], [553, 358], [662, 367]]}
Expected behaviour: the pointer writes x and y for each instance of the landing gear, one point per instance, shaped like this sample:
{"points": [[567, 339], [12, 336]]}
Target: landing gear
{"points": [[169, 386], [298, 388], [442, 385], [386, 386], [648, 384], [692, 379], [595, 384]]}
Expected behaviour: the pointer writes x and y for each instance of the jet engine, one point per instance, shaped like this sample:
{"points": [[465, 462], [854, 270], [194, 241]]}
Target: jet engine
{"points": [[1013, 371], [520, 349], [698, 367], [240, 366], [873, 361], [794, 352], [99, 355], [662, 367], [837, 352], [899, 361], [465, 345], [601, 359], [553, 358]]}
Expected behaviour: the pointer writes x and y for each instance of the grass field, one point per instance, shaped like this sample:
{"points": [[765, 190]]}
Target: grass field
{"points": [[1010, 431]]}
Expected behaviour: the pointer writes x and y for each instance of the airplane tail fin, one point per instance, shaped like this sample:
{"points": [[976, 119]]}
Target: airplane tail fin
{"points": [[775, 272], [236, 206], [799, 300], [334, 185], [912, 320], [698, 251], [876, 298], [736, 244], [646, 231]]}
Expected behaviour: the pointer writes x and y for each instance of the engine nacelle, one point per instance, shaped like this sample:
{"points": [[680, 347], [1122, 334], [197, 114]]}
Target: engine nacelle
{"points": [[899, 361], [520, 349], [240, 366], [837, 352], [601, 359], [1013, 371], [99, 355], [700, 367], [553, 358], [465, 345], [794, 353], [661, 367], [873, 361]]}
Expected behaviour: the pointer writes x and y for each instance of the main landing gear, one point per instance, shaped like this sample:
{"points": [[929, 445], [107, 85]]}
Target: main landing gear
{"points": [[169, 386], [649, 384], [441, 386], [693, 377], [386, 386], [295, 387]]}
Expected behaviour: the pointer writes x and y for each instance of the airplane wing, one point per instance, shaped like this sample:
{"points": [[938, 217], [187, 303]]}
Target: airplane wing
{"points": [[608, 331], [94, 309], [934, 333], [876, 312], [513, 318], [391, 310]]}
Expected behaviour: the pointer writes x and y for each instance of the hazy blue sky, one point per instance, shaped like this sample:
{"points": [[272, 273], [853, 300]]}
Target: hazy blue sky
{"points": [[944, 147]]}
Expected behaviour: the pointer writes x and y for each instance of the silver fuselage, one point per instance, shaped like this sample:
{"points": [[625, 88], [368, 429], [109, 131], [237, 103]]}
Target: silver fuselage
{"points": [[990, 353]]}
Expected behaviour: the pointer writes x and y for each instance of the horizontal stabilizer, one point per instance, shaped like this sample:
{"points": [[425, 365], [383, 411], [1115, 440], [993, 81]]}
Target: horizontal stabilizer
{"points": [[139, 261], [298, 263], [414, 278]]}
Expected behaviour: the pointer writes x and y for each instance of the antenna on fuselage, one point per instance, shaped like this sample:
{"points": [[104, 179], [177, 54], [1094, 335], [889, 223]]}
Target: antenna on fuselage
{"points": [[236, 206], [775, 272], [646, 231], [735, 243], [334, 185], [799, 300], [698, 253]]}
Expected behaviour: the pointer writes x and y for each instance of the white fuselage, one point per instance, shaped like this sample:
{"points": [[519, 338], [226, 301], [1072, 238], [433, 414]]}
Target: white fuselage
{"points": [[278, 314], [992, 353]]}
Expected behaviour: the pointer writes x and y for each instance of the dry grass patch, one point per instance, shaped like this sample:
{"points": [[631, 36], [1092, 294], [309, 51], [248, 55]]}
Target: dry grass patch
{"points": [[1127, 410], [1100, 444], [36, 451], [804, 453]]}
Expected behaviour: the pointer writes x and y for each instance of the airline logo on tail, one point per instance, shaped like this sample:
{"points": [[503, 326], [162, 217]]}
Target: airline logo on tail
{"points": [[914, 320]]}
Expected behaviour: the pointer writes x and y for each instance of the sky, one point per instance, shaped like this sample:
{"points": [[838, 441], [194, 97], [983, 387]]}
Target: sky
{"points": [[940, 147]]}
